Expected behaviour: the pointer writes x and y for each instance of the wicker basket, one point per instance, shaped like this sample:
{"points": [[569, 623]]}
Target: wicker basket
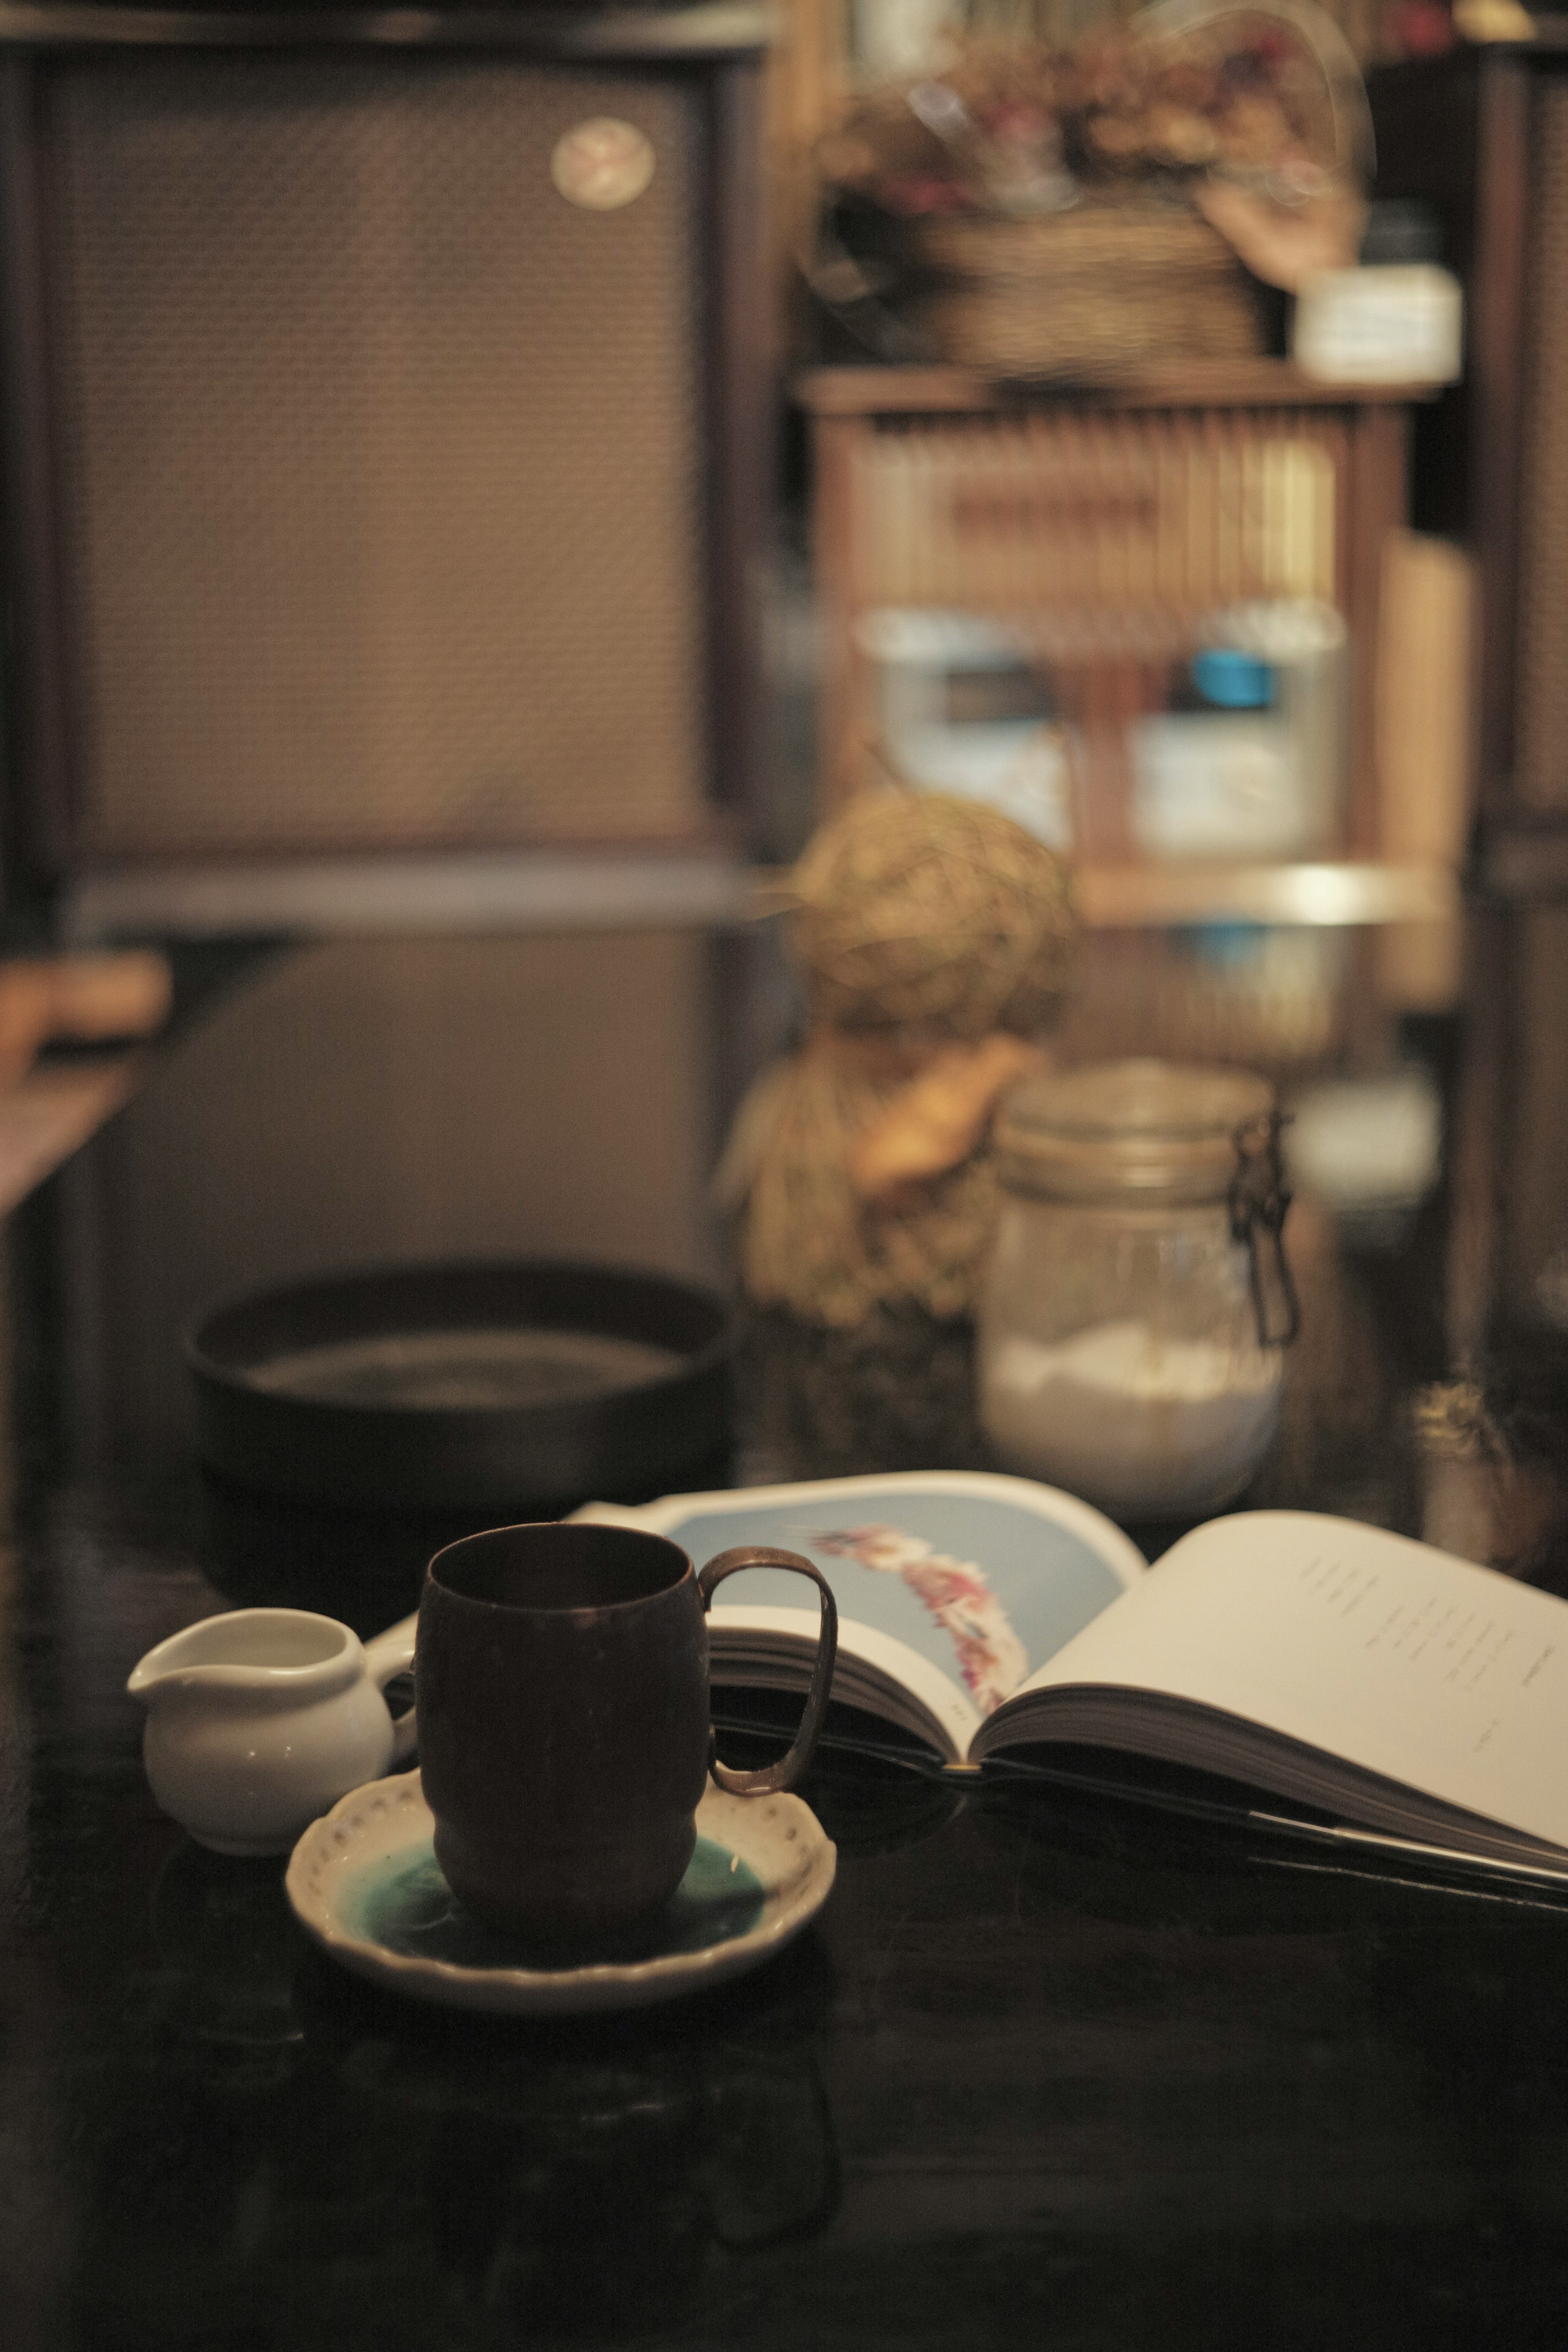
{"points": [[1099, 292]]}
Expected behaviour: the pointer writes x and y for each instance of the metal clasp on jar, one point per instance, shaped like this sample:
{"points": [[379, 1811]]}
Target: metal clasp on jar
{"points": [[1258, 1201]]}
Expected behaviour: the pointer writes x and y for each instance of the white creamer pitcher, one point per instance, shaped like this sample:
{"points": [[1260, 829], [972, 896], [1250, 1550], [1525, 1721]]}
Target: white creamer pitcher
{"points": [[259, 1720]]}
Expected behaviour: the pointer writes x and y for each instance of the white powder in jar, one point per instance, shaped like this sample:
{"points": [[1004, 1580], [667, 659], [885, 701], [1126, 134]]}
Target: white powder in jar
{"points": [[1144, 1426]]}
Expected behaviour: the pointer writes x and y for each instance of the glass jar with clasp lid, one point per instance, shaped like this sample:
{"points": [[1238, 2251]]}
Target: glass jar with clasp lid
{"points": [[1139, 1301]]}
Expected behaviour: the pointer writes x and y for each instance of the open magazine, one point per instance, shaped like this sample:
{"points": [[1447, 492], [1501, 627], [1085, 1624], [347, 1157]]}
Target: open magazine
{"points": [[1341, 1667]]}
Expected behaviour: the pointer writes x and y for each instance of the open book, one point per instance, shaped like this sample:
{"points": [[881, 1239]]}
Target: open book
{"points": [[1341, 1667]]}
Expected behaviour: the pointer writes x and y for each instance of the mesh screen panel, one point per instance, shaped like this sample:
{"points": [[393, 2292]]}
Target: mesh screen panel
{"points": [[381, 462], [1541, 750]]}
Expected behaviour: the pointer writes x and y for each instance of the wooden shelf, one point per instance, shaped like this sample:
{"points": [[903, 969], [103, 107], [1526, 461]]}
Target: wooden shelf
{"points": [[1189, 383], [1331, 894], [52, 1111], [390, 892]]}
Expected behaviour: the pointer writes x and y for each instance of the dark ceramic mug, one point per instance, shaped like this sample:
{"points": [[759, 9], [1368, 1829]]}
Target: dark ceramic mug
{"points": [[564, 1739]]}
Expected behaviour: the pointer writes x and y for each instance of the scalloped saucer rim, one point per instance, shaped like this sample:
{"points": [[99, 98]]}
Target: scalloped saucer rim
{"points": [[778, 1838]]}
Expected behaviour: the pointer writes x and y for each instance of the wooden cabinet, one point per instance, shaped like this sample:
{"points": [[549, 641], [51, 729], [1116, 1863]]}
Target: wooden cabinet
{"points": [[1125, 516]]}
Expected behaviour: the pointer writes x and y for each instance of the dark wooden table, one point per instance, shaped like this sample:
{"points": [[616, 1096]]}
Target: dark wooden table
{"points": [[1051, 2070]]}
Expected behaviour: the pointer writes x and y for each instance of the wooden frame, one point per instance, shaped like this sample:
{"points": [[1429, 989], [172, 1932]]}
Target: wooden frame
{"points": [[1457, 132]]}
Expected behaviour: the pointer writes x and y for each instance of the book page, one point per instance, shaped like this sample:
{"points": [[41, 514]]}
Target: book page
{"points": [[978, 1577], [750, 1644], [1404, 1660]]}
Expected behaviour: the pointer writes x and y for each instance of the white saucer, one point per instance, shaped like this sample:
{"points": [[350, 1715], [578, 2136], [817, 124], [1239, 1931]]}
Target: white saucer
{"points": [[364, 1882]]}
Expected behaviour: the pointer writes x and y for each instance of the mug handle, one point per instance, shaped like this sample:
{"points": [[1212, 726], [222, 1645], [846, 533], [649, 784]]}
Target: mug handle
{"points": [[388, 1655], [774, 1778]]}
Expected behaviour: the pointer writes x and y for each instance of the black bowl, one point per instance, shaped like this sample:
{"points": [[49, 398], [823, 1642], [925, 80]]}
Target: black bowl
{"points": [[481, 1386]]}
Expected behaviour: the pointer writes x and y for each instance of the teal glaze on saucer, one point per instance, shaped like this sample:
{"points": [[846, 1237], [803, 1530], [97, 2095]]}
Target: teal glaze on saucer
{"points": [[405, 1906]]}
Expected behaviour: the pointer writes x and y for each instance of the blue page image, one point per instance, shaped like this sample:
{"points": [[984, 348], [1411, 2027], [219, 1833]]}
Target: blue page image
{"points": [[904, 1562]]}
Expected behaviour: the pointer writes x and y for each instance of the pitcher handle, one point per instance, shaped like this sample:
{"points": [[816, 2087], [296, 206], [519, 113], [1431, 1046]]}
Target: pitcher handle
{"points": [[792, 1767], [388, 1655]]}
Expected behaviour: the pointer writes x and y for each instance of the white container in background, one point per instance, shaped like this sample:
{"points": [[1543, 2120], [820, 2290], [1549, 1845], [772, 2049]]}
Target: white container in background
{"points": [[962, 710], [1213, 784], [1365, 1145], [1307, 646], [1400, 324], [1263, 777]]}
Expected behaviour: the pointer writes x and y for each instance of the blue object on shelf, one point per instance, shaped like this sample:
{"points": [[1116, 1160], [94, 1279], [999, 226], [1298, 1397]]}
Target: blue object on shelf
{"points": [[1230, 946], [1236, 682]]}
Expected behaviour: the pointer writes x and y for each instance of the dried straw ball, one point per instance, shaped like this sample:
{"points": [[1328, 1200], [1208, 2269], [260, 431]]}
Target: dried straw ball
{"points": [[924, 911]]}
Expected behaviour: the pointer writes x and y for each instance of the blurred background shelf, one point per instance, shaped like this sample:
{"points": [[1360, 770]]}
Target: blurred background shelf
{"points": [[1330, 895], [1102, 534], [1186, 384], [1102, 531]]}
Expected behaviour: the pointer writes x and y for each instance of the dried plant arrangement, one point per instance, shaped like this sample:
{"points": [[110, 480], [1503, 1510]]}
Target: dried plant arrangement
{"points": [[1030, 209], [937, 939]]}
